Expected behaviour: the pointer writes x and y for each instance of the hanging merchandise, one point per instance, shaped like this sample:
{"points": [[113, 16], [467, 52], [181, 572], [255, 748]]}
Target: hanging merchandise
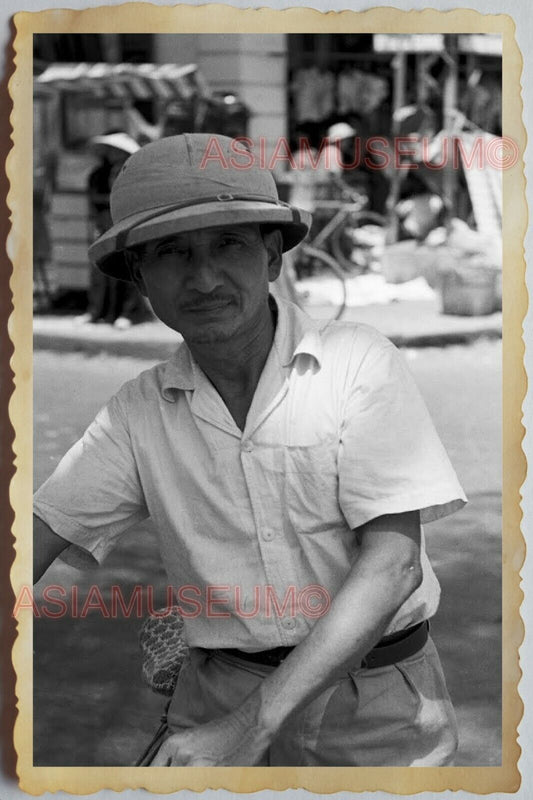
{"points": [[314, 94], [482, 104], [359, 92], [484, 183]]}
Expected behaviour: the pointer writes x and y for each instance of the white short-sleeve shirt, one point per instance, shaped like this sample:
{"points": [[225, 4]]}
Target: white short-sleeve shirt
{"points": [[255, 526]]}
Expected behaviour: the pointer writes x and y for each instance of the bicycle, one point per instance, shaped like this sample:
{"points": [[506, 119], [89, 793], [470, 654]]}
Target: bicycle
{"points": [[337, 246]]}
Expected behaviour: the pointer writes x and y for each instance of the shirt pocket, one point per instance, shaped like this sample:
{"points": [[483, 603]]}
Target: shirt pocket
{"points": [[312, 487]]}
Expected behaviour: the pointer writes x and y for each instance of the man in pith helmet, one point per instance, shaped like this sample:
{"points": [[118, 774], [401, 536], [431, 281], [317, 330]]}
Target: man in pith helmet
{"points": [[287, 465]]}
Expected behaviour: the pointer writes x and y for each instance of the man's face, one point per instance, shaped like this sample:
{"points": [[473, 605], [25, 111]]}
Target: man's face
{"points": [[211, 285]]}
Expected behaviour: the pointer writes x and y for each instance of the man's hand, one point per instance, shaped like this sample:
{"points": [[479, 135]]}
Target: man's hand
{"points": [[386, 573], [232, 741]]}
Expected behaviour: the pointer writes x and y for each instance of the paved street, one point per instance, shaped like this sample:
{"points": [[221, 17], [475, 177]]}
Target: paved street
{"points": [[90, 704]]}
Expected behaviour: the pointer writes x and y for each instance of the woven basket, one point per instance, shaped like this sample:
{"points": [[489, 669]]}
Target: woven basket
{"points": [[468, 286]]}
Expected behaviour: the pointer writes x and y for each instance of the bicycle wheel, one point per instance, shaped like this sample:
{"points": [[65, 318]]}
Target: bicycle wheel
{"points": [[350, 252], [331, 265]]}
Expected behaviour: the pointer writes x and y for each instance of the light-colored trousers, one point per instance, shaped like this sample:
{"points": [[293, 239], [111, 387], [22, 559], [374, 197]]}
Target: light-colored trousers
{"points": [[400, 715]]}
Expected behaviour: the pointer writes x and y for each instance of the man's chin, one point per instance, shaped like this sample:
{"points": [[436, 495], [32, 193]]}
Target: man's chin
{"points": [[208, 335]]}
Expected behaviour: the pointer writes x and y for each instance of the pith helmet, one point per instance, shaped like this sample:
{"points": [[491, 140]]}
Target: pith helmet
{"points": [[185, 183]]}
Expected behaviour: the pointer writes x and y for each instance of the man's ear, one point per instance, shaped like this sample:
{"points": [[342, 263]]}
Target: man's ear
{"points": [[133, 262], [274, 242]]}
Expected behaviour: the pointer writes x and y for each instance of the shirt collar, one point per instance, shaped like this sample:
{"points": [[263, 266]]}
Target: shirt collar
{"points": [[179, 373], [296, 334]]}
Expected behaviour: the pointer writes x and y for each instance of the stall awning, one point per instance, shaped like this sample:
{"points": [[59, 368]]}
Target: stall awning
{"points": [[126, 81], [489, 44], [481, 43]]}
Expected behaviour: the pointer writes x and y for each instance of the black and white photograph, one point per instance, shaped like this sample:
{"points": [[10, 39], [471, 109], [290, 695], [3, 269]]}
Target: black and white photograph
{"points": [[269, 417], [267, 380]]}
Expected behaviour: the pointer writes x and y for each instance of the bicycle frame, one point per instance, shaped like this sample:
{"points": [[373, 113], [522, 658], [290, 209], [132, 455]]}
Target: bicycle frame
{"points": [[343, 211]]}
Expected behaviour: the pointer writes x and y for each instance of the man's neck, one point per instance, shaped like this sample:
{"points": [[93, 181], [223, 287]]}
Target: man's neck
{"points": [[235, 366]]}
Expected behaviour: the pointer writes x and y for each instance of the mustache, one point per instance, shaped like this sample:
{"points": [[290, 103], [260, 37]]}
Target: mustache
{"points": [[205, 301]]}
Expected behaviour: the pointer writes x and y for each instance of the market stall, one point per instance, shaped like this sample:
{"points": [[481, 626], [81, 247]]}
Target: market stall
{"points": [[74, 102]]}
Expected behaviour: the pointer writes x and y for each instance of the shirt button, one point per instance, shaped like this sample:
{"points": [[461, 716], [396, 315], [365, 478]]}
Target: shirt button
{"points": [[289, 624], [247, 446]]}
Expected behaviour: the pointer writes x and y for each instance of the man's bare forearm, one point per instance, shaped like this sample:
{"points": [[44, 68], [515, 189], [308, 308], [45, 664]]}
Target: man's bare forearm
{"points": [[47, 545], [387, 572]]}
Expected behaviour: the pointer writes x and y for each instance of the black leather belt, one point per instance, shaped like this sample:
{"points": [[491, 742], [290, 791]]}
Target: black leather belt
{"points": [[388, 651], [397, 646]]}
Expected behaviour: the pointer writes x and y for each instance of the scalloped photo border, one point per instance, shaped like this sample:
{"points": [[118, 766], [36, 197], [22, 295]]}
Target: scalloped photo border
{"points": [[217, 18]]}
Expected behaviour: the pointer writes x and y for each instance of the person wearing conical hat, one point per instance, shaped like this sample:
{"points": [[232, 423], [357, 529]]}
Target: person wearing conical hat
{"points": [[287, 465], [115, 302]]}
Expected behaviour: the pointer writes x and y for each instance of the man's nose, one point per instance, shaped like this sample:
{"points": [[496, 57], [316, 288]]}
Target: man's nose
{"points": [[204, 275]]}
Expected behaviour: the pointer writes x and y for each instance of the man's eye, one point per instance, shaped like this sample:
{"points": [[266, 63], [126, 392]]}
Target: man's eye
{"points": [[172, 249], [229, 241]]}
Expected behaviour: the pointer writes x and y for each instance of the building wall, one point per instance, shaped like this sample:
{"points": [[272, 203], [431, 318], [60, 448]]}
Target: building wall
{"points": [[254, 66], [175, 48]]}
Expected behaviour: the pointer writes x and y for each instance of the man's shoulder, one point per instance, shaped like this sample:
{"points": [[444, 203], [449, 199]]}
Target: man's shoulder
{"points": [[334, 334], [145, 387], [348, 330], [339, 346], [352, 341]]}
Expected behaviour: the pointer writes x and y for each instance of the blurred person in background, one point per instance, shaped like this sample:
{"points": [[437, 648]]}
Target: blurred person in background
{"points": [[111, 301], [43, 185]]}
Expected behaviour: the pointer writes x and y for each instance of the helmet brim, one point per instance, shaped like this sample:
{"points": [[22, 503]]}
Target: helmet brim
{"points": [[108, 251]]}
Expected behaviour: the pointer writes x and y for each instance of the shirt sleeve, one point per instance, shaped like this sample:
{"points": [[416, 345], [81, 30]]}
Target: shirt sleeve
{"points": [[95, 494], [391, 459]]}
